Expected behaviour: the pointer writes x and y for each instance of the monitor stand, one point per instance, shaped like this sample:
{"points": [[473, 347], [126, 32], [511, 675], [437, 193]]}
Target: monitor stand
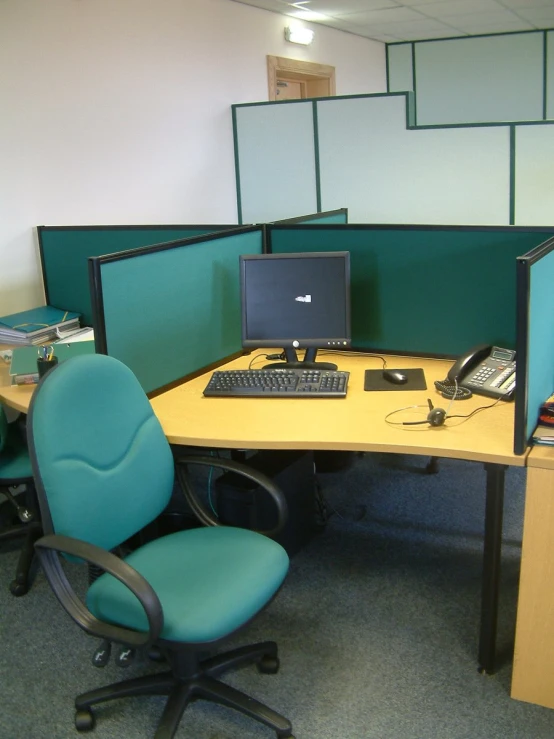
{"points": [[308, 363]]}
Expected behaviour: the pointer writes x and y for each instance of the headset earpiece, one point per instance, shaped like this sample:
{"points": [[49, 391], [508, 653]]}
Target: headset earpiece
{"points": [[436, 416]]}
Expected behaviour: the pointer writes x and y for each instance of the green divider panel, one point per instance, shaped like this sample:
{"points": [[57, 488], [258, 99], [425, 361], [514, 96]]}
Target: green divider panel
{"points": [[64, 252], [170, 311], [535, 340], [431, 291]]}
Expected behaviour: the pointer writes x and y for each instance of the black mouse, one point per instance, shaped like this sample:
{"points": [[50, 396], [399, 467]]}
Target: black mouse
{"points": [[395, 376]]}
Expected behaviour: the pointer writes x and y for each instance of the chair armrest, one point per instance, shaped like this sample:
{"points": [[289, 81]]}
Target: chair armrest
{"points": [[48, 548], [210, 519]]}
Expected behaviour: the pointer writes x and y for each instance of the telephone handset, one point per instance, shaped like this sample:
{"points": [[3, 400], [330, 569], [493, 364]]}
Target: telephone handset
{"points": [[486, 370]]}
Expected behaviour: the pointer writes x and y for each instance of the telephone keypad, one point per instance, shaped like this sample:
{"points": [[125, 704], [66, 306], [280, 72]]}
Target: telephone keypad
{"points": [[482, 375]]}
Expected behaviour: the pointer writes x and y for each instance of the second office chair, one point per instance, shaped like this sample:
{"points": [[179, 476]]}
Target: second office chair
{"points": [[15, 470]]}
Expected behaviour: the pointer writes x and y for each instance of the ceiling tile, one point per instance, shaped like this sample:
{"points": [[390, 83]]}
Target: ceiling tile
{"points": [[422, 26], [388, 15], [460, 7], [516, 4], [473, 27], [541, 17]]}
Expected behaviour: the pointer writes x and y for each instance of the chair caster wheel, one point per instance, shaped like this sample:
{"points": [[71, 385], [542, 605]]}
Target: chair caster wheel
{"points": [[84, 719], [156, 655], [269, 665], [18, 588]]}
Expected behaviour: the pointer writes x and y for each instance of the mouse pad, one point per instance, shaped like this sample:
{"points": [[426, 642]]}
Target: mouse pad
{"points": [[374, 380]]}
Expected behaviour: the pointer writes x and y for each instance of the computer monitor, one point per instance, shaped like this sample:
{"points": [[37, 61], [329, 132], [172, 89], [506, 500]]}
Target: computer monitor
{"points": [[296, 301]]}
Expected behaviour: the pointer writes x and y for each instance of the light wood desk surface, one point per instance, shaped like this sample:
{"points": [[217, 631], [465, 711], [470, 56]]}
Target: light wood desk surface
{"points": [[355, 423]]}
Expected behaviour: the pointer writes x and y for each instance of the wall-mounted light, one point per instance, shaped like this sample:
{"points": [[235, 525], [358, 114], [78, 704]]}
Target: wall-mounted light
{"points": [[299, 35]]}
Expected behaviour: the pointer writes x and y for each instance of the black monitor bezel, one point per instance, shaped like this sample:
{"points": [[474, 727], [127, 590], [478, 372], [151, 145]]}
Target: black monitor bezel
{"points": [[323, 342]]}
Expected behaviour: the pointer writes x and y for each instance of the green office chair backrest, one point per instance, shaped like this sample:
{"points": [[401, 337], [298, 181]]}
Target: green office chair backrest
{"points": [[103, 467]]}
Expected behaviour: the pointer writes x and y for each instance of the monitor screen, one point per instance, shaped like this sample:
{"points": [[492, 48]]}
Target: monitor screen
{"points": [[296, 301]]}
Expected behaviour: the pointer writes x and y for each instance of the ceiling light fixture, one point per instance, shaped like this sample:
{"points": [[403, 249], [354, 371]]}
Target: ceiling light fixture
{"points": [[299, 35]]}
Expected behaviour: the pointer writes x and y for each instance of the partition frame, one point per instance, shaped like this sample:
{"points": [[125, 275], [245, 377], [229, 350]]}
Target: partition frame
{"points": [[95, 283]]}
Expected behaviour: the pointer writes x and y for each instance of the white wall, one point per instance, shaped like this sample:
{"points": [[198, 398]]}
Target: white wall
{"points": [[119, 112]]}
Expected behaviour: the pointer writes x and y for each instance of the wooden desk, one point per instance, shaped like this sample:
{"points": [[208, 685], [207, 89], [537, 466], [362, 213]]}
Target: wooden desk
{"points": [[533, 675], [355, 423]]}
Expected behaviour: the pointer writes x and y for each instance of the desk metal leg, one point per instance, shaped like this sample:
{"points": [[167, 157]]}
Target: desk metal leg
{"points": [[492, 551]]}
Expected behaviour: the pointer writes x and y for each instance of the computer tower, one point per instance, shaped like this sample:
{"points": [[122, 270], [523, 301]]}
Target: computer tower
{"points": [[240, 502]]}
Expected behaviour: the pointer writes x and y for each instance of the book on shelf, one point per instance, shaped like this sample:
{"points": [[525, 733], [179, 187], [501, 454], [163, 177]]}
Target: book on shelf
{"points": [[23, 367], [36, 326], [544, 435]]}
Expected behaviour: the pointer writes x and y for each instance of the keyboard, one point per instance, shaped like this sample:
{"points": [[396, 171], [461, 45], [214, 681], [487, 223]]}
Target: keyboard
{"points": [[278, 383]]}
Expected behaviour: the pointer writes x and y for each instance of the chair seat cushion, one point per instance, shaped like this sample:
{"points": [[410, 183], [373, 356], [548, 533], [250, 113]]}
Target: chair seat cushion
{"points": [[210, 581]]}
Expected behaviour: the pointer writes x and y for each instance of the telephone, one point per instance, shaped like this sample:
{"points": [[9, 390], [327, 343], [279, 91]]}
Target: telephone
{"points": [[486, 370]]}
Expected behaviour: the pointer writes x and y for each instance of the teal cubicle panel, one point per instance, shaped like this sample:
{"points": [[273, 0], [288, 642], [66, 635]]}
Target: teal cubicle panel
{"points": [[423, 290], [169, 310], [64, 251], [535, 339]]}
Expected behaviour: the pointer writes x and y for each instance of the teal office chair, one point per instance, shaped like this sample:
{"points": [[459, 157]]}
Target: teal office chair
{"points": [[20, 516], [104, 471]]}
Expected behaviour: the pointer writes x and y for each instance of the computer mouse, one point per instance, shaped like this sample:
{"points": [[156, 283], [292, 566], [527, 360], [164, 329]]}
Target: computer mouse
{"points": [[395, 376]]}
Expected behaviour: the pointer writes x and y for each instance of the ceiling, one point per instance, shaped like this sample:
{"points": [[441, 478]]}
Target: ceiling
{"points": [[411, 20]]}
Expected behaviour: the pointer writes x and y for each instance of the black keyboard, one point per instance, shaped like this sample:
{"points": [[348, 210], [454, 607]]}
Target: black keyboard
{"points": [[278, 383]]}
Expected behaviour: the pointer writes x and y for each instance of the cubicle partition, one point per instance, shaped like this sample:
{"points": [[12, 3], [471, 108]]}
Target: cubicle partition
{"points": [[535, 339], [170, 310], [64, 251], [423, 290], [388, 169], [340, 215]]}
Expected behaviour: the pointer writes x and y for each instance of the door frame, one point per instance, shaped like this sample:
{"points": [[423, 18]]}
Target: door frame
{"points": [[303, 71]]}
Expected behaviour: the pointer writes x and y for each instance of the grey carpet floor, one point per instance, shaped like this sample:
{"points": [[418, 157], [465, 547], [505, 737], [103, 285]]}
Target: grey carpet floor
{"points": [[377, 626]]}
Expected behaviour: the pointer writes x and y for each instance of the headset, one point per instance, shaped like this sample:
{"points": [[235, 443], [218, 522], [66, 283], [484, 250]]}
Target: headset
{"points": [[435, 417]]}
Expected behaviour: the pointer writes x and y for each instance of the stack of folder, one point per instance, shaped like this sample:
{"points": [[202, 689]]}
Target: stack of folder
{"points": [[36, 326]]}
